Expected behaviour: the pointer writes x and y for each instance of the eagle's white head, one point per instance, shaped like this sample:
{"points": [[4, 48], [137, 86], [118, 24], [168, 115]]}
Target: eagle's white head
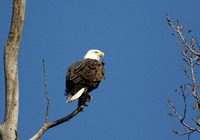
{"points": [[94, 54]]}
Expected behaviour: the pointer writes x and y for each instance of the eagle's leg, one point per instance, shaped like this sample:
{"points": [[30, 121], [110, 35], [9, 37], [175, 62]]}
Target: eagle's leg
{"points": [[85, 98], [89, 97], [82, 101]]}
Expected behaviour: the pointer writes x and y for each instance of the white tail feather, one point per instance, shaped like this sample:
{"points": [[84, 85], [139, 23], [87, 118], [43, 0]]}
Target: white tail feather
{"points": [[71, 98]]}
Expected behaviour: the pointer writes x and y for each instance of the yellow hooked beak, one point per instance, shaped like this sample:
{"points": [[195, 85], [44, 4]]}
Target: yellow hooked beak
{"points": [[101, 54]]}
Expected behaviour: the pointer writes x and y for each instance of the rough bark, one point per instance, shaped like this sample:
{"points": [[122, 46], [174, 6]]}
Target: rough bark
{"points": [[8, 130]]}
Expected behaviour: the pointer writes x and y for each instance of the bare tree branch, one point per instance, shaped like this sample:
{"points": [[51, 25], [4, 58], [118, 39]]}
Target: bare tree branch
{"points": [[191, 57], [191, 129], [9, 127], [193, 78], [178, 29], [47, 97], [47, 125], [57, 122]]}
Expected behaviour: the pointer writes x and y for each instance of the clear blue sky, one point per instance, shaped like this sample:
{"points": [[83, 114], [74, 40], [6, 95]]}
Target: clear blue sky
{"points": [[142, 66]]}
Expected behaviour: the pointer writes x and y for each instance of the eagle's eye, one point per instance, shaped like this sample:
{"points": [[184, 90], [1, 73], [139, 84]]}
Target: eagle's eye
{"points": [[96, 52]]}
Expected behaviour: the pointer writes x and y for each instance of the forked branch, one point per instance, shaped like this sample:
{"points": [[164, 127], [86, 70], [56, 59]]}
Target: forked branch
{"points": [[57, 122], [178, 29]]}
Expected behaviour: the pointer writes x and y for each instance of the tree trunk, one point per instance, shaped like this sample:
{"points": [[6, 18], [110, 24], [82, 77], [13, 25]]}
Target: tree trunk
{"points": [[8, 130]]}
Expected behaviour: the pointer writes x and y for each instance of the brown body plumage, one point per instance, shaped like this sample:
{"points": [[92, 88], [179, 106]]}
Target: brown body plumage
{"points": [[86, 73]]}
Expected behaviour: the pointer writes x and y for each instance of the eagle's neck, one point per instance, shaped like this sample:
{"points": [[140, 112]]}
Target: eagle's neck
{"points": [[90, 56]]}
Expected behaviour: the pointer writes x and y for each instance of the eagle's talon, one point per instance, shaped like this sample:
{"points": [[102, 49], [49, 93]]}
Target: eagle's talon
{"points": [[89, 98]]}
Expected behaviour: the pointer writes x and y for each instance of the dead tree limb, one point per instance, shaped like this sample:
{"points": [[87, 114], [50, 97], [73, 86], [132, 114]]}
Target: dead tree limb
{"points": [[8, 130], [47, 125], [47, 97]]}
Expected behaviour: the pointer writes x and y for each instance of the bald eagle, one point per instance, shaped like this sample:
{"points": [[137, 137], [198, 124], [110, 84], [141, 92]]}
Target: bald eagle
{"points": [[84, 76]]}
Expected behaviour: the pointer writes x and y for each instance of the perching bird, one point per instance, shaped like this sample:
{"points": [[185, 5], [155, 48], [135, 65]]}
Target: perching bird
{"points": [[84, 76]]}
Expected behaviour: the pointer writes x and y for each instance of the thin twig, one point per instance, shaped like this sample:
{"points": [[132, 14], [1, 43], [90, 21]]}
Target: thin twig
{"points": [[47, 97], [191, 55], [185, 108], [188, 132], [182, 121], [193, 78], [189, 136], [178, 29]]}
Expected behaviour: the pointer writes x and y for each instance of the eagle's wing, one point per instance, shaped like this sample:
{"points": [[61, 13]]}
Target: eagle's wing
{"points": [[94, 71], [84, 73]]}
